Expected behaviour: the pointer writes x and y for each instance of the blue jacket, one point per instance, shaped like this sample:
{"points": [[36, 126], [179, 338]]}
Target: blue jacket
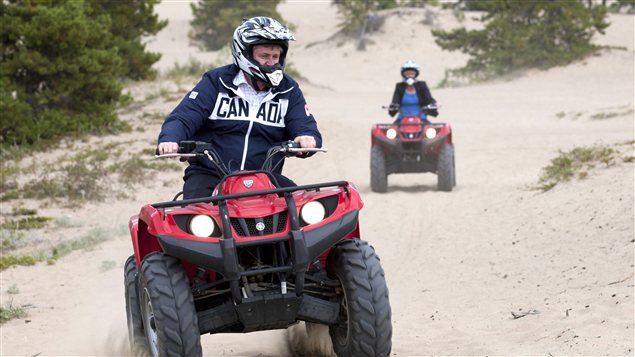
{"points": [[214, 112]]}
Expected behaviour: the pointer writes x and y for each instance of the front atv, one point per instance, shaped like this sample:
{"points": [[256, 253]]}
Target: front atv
{"points": [[254, 257], [412, 146]]}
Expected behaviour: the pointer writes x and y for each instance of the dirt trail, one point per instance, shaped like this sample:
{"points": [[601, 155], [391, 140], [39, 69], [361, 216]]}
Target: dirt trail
{"points": [[457, 263]]}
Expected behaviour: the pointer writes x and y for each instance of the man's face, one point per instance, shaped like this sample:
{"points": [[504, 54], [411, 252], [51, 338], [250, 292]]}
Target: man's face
{"points": [[267, 55], [409, 73]]}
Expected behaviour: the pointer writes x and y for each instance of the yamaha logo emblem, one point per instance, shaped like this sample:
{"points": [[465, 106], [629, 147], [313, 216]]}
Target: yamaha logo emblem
{"points": [[248, 183], [260, 226]]}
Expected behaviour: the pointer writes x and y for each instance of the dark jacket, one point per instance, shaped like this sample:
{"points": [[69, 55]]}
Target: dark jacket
{"points": [[423, 92], [215, 112]]}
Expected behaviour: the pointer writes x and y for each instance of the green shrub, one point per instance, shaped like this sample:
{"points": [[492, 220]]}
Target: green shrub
{"points": [[21, 211], [83, 178], [7, 261], [10, 195], [62, 65], [87, 241], [574, 162], [214, 21], [132, 22], [522, 34], [354, 14], [9, 312], [10, 239], [26, 223]]}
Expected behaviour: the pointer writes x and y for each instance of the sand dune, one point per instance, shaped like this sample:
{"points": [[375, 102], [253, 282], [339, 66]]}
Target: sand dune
{"points": [[458, 264]]}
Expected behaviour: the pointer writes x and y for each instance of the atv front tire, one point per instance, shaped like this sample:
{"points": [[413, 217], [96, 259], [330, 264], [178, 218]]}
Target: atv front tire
{"points": [[136, 336], [378, 176], [167, 307], [364, 327], [445, 168]]}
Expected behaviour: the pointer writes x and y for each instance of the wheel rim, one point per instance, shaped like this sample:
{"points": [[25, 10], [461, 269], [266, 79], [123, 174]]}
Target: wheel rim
{"points": [[342, 328], [149, 324]]}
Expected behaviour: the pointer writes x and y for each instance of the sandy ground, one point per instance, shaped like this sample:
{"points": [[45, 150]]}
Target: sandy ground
{"points": [[457, 264]]}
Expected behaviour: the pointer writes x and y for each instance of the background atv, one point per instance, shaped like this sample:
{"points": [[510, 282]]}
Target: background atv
{"points": [[253, 257], [414, 145]]}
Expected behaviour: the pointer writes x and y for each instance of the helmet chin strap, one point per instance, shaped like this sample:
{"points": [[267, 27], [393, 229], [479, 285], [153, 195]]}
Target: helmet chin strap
{"points": [[410, 81], [275, 77]]}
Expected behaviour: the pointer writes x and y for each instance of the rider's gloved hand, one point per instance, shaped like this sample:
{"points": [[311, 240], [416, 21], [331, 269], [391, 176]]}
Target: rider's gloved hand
{"points": [[393, 108], [430, 111]]}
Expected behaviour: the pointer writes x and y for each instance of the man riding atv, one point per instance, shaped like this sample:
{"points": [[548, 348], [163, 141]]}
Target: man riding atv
{"points": [[242, 109], [246, 249]]}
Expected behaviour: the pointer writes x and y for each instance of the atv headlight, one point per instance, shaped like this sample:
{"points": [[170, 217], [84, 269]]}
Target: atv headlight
{"points": [[312, 212], [431, 133], [391, 133], [202, 225]]}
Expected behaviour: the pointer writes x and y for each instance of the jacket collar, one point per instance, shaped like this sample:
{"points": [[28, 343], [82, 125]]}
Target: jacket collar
{"points": [[227, 80]]}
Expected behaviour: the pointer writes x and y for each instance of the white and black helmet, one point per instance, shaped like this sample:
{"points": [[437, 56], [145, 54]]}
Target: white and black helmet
{"points": [[257, 31], [410, 64]]}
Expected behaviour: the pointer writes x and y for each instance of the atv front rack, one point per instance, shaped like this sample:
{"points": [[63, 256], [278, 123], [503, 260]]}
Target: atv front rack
{"points": [[278, 191], [222, 257]]}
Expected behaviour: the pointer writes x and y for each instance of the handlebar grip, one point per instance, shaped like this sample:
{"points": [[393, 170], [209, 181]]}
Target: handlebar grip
{"points": [[186, 146], [292, 144]]}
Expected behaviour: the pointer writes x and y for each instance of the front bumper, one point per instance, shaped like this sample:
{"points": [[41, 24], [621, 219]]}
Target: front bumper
{"points": [[222, 258]]}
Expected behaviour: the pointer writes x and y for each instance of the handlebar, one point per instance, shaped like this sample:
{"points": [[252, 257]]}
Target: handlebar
{"points": [[291, 147], [395, 106], [161, 156], [190, 149]]}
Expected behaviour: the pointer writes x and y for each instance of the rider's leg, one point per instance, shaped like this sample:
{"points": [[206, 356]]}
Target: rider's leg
{"points": [[284, 181], [398, 119], [199, 185]]}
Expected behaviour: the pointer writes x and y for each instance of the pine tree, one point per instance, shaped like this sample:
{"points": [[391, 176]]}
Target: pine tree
{"points": [[132, 20], [215, 20], [62, 63], [522, 34]]}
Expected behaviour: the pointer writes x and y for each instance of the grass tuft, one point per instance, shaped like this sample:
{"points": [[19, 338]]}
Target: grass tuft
{"points": [[25, 223], [9, 312], [576, 162], [12, 260], [21, 211], [86, 242]]}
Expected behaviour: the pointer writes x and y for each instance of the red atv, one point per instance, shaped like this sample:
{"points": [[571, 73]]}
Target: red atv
{"points": [[251, 257], [413, 145]]}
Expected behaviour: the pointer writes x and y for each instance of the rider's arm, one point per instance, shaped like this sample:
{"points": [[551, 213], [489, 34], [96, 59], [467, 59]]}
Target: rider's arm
{"points": [[427, 98], [188, 116], [300, 123], [396, 101]]}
